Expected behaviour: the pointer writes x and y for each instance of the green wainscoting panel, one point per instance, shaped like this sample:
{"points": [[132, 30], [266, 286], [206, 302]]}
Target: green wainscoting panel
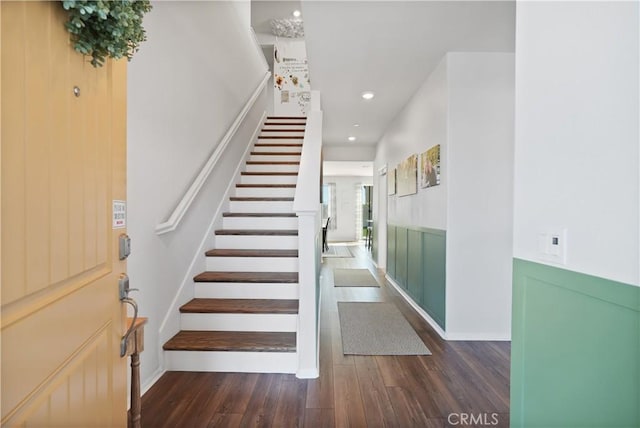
{"points": [[391, 251], [416, 261], [401, 256], [434, 247], [374, 242], [575, 354], [414, 265]]}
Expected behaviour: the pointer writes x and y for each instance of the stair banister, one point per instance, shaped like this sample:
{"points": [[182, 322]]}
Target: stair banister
{"points": [[307, 206], [182, 206]]}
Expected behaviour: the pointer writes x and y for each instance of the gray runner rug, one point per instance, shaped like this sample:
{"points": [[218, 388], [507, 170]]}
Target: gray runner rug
{"points": [[377, 329], [337, 251], [354, 278]]}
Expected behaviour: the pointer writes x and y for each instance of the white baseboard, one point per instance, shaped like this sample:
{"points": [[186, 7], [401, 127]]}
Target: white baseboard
{"points": [[497, 337], [485, 337], [152, 380], [417, 308], [307, 374]]}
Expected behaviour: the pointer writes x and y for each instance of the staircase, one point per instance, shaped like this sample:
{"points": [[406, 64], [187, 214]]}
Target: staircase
{"points": [[244, 316]]}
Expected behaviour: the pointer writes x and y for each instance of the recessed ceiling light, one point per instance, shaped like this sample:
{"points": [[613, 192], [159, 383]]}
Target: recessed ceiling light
{"points": [[352, 138], [296, 13], [368, 95], [356, 125]]}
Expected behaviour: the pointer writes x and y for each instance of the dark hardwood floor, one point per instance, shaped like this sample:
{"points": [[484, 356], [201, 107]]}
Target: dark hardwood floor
{"points": [[463, 384]]}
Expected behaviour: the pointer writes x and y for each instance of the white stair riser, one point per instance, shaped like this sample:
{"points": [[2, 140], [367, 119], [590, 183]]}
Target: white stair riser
{"points": [[301, 119], [245, 290], [253, 223], [239, 322], [269, 179], [252, 264], [268, 192], [272, 168], [279, 123], [252, 242], [278, 149], [247, 362], [267, 140], [276, 158], [281, 134], [261, 206]]}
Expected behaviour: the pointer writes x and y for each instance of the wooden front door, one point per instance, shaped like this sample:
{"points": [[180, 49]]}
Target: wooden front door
{"points": [[63, 163]]}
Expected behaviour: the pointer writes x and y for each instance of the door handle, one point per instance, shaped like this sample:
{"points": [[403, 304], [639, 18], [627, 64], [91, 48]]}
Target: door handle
{"points": [[124, 290]]}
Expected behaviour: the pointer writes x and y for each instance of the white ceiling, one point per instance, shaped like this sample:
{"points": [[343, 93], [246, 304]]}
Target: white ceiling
{"points": [[345, 169], [389, 47]]}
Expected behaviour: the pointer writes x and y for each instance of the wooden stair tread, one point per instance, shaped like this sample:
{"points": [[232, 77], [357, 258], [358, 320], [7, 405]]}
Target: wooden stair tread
{"points": [[258, 232], [276, 153], [272, 163], [240, 306], [222, 252], [282, 130], [251, 277], [289, 186], [260, 199], [235, 214], [282, 123], [267, 173], [280, 137], [239, 341], [278, 145]]}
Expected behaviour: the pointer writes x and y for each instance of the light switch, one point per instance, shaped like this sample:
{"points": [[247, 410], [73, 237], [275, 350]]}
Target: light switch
{"points": [[552, 246]]}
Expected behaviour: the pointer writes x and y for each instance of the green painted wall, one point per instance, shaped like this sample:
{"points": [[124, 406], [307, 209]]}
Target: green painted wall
{"points": [[416, 261], [401, 257], [391, 251], [575, 355], [374, 242]]}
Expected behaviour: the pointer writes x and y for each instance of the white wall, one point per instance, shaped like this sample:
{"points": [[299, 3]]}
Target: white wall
{"points": [[466, 105], [185, 87], [419, 126], [576, 157], [345, 206], [352, 152], [480, 199]]}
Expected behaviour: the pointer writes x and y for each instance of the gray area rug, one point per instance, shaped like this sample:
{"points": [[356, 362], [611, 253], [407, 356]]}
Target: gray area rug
{"points": [[377, 329], [354, 278], [337, 251]]}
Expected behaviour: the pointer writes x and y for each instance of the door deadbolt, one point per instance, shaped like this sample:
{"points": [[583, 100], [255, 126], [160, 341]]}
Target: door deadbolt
{"points": [[124, 244]]}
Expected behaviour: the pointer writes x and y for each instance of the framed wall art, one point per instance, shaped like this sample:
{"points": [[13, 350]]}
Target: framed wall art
{"points": [[408, 176], [391, 182], [430, 167]]}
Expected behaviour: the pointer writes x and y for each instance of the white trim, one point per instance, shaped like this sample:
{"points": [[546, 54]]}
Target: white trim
{"points": [[152, 380], [187, 199], [308, 374], [417, 308], [199, 256], [239, 322], [494, 337], [231, 361], [498, 337]]}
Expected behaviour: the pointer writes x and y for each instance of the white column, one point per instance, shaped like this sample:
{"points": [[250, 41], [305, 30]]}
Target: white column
{"points": [[307, 346]]}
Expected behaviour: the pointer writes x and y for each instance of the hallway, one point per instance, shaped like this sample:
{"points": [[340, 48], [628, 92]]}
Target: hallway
{"points": [[460, 382]]}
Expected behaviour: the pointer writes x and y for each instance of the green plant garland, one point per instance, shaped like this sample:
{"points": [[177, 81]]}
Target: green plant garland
{"points": [[104, 29]]}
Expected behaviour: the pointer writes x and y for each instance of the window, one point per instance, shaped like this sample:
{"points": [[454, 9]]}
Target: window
{"points": [[329, 205]]}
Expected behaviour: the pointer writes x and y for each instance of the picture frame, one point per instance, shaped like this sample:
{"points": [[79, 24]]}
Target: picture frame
{"points": [[408, 176]]}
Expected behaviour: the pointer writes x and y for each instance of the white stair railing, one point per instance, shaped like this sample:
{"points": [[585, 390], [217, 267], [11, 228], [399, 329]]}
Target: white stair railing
{"points": [[307, 206]]}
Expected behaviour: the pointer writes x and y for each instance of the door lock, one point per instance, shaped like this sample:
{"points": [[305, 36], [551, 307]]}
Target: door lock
{"points": [[124, 244]]}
